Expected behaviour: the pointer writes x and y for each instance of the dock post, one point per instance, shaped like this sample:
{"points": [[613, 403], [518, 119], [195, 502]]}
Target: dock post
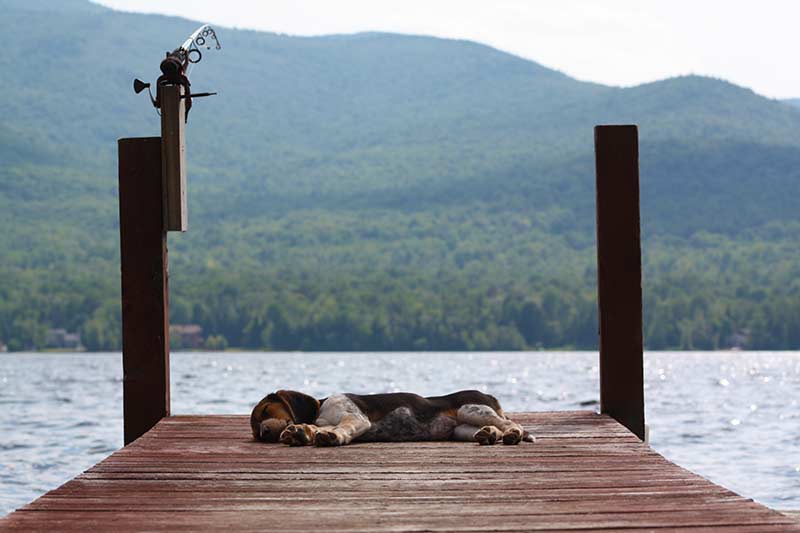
{"points": [[619, 275], [145, 309]]}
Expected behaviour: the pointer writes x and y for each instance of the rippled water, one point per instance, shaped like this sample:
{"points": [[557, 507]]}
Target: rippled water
{"points": [[732, 417]]}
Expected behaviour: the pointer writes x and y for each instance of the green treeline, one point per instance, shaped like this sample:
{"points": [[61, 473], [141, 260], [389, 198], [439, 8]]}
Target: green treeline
{"points": [[383, 312]]}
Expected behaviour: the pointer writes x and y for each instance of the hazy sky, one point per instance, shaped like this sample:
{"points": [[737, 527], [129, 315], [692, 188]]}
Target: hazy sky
{"points": [[618, 42]]}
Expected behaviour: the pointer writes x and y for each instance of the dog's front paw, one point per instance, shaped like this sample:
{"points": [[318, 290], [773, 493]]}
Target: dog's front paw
{"points": [[488, 435], [512, 436], [297, 435], [327, 437]]}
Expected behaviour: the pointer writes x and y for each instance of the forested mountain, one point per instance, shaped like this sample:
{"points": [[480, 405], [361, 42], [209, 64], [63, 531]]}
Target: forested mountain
{"points": [[381, 191]]}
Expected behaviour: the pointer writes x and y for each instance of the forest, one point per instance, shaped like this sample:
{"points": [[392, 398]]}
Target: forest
{"points": [[701, 301]]}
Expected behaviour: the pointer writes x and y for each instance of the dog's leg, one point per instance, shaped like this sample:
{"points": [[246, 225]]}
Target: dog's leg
{"points": [[299, 434], [351, 426], [466, 433], [493, 427], [340, 421]]}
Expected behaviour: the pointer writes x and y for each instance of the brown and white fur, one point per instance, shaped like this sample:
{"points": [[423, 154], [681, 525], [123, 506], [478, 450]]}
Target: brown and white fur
{"points": [[297, 419]]}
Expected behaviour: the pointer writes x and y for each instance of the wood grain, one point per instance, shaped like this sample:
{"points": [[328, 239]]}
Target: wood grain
{"points": [[145, 286], [173, 160], [619, 275], [205, 473]]}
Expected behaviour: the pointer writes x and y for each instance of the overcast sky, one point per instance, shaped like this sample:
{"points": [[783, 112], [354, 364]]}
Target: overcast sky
{"points": [[617, 42]]}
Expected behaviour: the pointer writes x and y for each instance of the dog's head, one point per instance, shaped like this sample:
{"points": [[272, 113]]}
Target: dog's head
{"points": [[278, 410]]}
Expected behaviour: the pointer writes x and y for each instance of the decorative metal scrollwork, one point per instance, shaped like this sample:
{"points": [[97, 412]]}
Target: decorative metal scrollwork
{"points": [[203, 37]]}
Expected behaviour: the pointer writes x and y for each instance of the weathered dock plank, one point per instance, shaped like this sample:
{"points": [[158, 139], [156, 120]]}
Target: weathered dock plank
{"points": [[586, 472]]}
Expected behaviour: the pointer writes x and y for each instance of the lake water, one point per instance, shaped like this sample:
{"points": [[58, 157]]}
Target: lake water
{"points": [[732, 417]]}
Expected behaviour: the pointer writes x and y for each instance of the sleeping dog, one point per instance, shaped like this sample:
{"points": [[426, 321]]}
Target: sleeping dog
{"points": [[297, 419]]}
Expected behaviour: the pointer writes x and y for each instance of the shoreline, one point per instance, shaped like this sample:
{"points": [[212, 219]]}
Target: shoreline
{"points": [[51, 351]]}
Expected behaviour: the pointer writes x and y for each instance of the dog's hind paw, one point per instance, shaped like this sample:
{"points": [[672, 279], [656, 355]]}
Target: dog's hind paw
{"points": [[297, 435], [488, 435], [327, 437], [512, 436]]}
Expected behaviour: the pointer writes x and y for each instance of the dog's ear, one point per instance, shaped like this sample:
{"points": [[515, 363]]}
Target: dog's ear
{"points": [[303, 408], [256, 416]]}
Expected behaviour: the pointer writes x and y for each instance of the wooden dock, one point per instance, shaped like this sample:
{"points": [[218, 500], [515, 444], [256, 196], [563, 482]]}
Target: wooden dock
{"points": [[205, 473]]}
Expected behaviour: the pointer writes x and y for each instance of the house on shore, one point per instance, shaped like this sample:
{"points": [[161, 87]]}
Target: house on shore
{"points": [[61, 338], [186, 336]]}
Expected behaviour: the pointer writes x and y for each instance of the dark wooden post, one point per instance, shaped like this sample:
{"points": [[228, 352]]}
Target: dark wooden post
{"points": [[145, 313], [619, 275]]}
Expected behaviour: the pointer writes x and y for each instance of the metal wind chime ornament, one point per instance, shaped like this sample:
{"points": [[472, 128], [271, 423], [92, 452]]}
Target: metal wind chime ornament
{"points": [[173, 100]]}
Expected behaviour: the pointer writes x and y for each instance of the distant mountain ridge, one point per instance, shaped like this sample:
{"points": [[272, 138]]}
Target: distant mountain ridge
{"points": [[329, 157]]}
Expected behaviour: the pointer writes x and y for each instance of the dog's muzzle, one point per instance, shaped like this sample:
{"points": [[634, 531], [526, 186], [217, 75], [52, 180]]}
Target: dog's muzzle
{"points": [[270, 430]]}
